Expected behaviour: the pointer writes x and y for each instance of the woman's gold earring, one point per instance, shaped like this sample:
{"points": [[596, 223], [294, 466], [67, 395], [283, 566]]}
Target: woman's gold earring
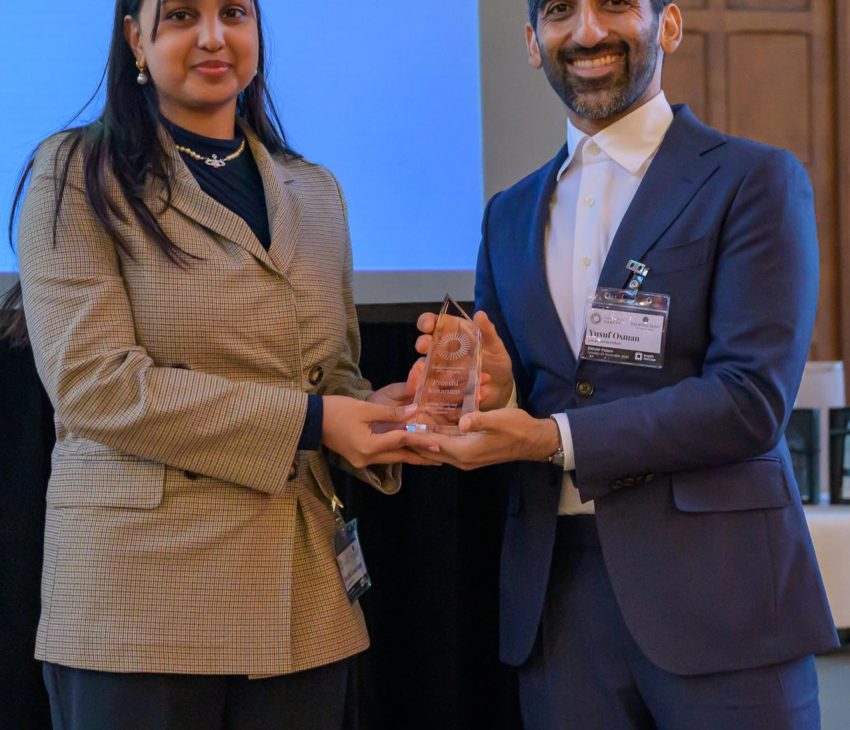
{"points": [[142, 78]]}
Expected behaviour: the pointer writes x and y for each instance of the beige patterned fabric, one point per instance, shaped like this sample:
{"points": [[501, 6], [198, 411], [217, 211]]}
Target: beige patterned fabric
{"points": [[184, 531]]}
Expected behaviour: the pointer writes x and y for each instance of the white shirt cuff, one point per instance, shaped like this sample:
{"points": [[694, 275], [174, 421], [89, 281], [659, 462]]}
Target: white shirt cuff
{"points": [[566, 440], [512, 401]]}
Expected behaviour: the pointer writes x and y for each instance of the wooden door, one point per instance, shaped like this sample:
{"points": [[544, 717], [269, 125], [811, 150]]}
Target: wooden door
{"points": [[842, 27], [768, 70]]}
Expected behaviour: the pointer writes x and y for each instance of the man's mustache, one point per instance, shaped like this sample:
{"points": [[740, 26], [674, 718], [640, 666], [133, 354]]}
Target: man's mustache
{"points": [[574, 53]]}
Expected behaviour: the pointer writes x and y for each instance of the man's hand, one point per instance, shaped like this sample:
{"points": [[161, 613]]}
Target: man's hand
{"points": [[497, 380], [506, 434], [352, 428]]}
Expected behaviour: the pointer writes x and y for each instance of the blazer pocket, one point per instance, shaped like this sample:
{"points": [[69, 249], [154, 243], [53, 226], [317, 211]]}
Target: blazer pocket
{"points": [[115, 481], [678, 256], [745, 485]]}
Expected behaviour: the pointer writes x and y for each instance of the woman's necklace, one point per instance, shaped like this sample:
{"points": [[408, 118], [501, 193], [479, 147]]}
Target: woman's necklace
{"points": [[214, 160]]}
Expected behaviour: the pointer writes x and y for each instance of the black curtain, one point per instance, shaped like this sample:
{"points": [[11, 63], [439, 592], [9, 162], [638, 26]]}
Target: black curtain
{"points": [[432, 551], [26, 440]]}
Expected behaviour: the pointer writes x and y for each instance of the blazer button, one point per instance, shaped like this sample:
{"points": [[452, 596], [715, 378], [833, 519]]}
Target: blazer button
{"points": [[190, 475], [585, 389], [293, 472], [316, 375]]}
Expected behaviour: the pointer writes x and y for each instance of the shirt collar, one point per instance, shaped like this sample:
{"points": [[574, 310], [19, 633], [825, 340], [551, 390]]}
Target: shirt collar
{"points": [[631, 141]]}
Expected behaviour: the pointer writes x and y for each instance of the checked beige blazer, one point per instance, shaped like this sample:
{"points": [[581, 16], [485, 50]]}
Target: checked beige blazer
{"points": [[185, 533]]}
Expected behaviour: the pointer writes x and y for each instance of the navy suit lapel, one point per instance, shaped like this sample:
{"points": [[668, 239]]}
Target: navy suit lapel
{"points": [[546, 330], [678, 171]]}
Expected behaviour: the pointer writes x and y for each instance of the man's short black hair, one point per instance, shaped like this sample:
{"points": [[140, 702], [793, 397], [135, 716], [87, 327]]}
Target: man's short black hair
{"points": [[534, 7]]}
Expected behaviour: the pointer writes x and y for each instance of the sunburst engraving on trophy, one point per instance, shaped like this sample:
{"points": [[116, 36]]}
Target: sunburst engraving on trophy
{"points": [[453, 346], [450, 380]]}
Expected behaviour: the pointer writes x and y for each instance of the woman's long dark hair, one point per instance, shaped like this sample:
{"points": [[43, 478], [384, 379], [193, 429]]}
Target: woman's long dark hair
{"points": [[124, 140]]}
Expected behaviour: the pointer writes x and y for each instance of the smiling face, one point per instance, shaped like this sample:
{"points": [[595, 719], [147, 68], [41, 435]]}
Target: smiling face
{"points": [[203, 55], [602, 57]]}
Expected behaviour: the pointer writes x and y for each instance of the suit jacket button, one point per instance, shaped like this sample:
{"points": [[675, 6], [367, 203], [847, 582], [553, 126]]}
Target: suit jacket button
{"points": [[316, 375], [190, 475], [585, 389], [293, 472]]}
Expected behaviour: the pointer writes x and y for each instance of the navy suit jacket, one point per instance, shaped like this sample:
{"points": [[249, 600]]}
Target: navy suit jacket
{"points": [[698, 512]]}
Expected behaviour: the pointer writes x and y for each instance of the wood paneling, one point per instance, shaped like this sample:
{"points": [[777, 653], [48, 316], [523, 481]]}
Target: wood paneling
{"points": [[767, 69], [780, 63], [685, 74], [768, 5], [843, 192], [827, 341]]}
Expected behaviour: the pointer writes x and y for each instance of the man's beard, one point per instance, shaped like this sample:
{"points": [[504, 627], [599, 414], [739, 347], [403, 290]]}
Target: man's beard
{"points": [[610, 95]]}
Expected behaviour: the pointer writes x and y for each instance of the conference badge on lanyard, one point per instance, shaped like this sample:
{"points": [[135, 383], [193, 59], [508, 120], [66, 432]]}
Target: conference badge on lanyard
{"points": [[349, 555], [626, 326]]}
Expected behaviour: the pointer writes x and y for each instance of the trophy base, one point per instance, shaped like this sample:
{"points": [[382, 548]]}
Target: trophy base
{"points": [[446, 430]]}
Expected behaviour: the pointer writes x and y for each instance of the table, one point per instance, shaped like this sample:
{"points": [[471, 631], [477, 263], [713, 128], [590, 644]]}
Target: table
{"points": [[830, 529]]}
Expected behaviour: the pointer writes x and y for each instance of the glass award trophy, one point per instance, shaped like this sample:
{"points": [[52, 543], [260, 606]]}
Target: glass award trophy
{"points": [[450, 380]]}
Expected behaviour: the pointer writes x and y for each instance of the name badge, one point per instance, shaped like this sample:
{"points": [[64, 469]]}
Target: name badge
{"points": [[349, 557], [625, 327]]}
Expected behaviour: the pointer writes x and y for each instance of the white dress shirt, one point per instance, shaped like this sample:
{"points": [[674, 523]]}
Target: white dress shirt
{"points": [[595, 187]]}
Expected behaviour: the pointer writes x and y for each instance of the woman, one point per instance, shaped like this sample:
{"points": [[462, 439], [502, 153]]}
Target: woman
{"points": [[186, 285]]}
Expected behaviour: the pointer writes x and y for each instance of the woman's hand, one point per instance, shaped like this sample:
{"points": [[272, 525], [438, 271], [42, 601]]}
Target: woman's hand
{"points": [[394, 394], [497, 379], [350, 427]]}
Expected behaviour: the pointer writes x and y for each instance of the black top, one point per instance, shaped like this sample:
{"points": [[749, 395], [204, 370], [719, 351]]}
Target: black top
{"points": [[237, 185]]}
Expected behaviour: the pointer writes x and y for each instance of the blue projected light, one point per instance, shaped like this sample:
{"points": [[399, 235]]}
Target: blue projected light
{"points": [[386, 96]]}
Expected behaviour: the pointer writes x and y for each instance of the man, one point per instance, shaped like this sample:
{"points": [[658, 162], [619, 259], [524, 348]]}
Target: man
{"points": [[662, 573]]}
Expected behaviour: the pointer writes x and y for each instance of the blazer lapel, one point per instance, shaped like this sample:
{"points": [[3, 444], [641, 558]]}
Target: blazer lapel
{"points": [[188, 197], [547, 330], [678, 171], [283, 205]]}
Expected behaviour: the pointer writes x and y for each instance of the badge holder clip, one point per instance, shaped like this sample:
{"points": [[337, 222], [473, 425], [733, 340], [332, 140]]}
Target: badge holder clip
{"points": [[639, 272]]}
